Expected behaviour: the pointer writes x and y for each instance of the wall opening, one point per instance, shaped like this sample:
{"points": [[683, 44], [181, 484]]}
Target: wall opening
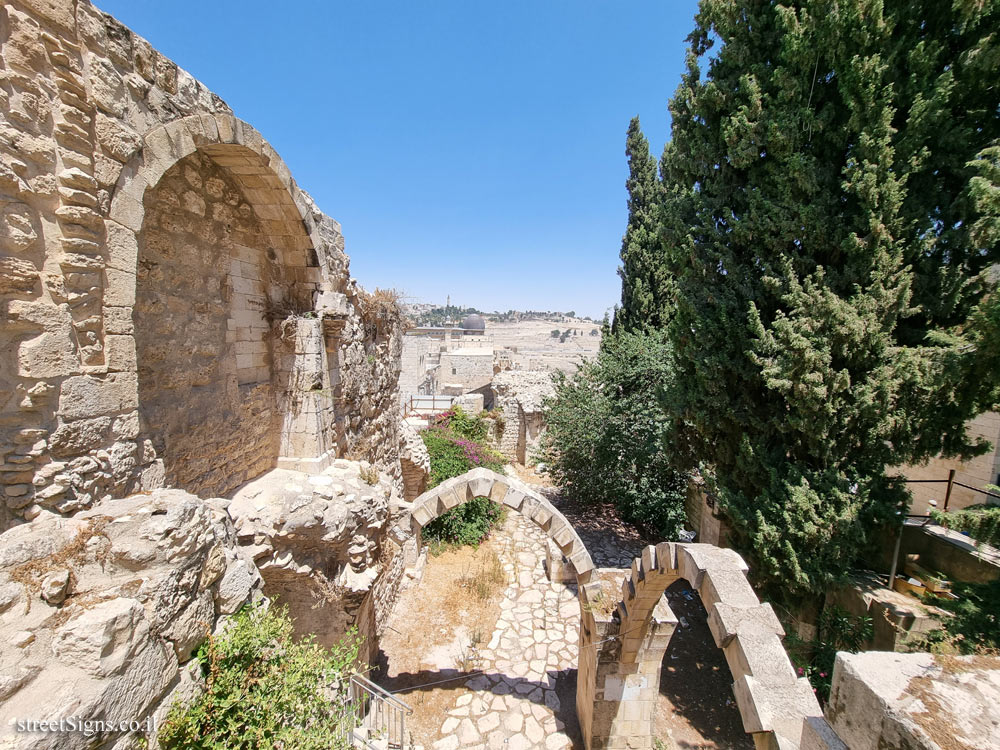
{"points": [[214, 268]]}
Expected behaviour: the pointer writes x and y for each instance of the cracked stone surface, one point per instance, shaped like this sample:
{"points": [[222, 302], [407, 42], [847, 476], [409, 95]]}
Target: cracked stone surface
{"points": [[514, 704]]}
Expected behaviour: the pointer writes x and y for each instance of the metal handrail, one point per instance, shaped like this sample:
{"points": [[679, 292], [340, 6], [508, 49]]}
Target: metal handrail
{"points": [[379, 712]]}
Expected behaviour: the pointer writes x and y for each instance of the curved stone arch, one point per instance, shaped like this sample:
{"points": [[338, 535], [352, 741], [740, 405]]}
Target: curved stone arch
{"points": [[506, 491], [774, 703], [284, 209], [303, 241]]}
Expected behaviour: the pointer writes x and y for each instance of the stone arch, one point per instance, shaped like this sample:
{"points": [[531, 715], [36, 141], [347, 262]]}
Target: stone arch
{"points": [[277, 261], [516, 495], [617, 689]]}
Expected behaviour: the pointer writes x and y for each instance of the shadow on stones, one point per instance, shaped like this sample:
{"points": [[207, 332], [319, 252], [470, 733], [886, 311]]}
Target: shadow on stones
{"points": [[490, 683], [611, 542], [696, 680]]}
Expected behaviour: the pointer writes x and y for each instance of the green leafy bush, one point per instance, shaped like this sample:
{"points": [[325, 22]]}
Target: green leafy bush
{"points": [[838, 631], [456, 444], [982, 523], [468, 523], [975, 625], [264, 690], [607, 437]]}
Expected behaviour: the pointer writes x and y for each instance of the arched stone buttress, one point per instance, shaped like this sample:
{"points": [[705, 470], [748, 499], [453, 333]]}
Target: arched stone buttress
{"points": [[618, 686], [294, 369], [512, 493]]}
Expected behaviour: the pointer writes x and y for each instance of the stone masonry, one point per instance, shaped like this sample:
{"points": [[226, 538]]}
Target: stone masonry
{"points": [[155, 251]]}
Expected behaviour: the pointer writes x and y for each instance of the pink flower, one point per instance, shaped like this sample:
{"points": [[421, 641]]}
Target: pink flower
{"points": [[801, 671], [822, 674]]}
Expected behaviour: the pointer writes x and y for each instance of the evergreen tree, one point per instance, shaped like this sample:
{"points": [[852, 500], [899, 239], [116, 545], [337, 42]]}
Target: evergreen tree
{"points": [[643, 280], [828, 241]]}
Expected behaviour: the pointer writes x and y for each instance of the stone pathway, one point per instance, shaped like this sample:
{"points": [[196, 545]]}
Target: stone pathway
{"points": [[515, 704]]}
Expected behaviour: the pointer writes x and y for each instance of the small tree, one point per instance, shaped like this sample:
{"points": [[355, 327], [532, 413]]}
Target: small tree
{"points": [[645, 291], [606, 436], [555, 333]]}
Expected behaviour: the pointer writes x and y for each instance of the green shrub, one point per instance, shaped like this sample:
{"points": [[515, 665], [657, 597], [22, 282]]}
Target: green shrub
{"points": [[838, 631], [468, 523], [607, 437], [975, 625], [468, 426], [456, 444], [264, 690], [982, 523]]}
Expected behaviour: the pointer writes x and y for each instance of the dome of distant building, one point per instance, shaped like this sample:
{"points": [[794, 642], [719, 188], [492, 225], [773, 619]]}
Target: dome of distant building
{"points": [[474, 323]]}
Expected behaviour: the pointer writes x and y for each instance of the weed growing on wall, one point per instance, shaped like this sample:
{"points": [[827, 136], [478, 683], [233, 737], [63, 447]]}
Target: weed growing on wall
{"points": [[974, 627], [265, 690], [982, 523]]}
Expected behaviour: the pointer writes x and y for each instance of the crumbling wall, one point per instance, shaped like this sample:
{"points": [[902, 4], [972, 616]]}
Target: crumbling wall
{"points": [[99, 612], [116, 166], [521, 394]]}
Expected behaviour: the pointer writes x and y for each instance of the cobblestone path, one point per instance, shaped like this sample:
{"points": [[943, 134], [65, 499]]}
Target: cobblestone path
{"points": [[515, 703]]}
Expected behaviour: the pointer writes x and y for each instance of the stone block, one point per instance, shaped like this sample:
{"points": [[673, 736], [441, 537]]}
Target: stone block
{"points": [[758, 652], [769, 708], [452, 497], [119, 353], [514, 498], [694, 559], [725, 621], [84, 396], [726, 585], [881, 699], [817, 734], [49, 355], [480, 486], [541, 515], [101, 639]]}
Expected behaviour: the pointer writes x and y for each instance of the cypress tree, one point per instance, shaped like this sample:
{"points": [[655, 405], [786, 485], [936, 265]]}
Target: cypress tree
{"points": [[827, 209], [642, 270]]}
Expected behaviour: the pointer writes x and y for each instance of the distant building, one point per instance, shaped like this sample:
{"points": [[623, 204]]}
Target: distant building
{"points": [[474, 325]]}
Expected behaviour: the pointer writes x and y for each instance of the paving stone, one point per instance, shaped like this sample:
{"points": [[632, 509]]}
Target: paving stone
{"points": [[467, 733], [535, 639], [513, 722], [533, 730], [489, 722]]}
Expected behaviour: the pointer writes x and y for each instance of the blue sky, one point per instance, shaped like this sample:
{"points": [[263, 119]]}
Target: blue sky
{"points": [[467, 148]]}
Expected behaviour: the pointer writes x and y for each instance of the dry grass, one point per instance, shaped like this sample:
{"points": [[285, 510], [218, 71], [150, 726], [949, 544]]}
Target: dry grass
{"points": [[369, 475], [487, 579], [30, 574], [444, 609], [381, 308]]}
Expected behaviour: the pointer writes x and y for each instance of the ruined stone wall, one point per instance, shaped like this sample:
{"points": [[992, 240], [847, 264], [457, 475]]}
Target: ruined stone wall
{"points": [[469, 370], [201, 335], [152, 247]]}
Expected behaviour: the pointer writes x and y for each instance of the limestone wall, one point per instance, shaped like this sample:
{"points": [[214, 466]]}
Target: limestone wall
{"points": [[931, 702], [975, 472], [88, 636], [469, 369], [153, 249]]}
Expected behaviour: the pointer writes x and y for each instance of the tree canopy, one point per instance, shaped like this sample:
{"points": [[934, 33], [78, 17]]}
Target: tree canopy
{"points": [[829, 214]]}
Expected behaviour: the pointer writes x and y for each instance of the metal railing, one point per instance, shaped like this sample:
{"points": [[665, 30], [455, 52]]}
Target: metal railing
{"points": [[429, 404], [950, 481], [381, 716]]}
